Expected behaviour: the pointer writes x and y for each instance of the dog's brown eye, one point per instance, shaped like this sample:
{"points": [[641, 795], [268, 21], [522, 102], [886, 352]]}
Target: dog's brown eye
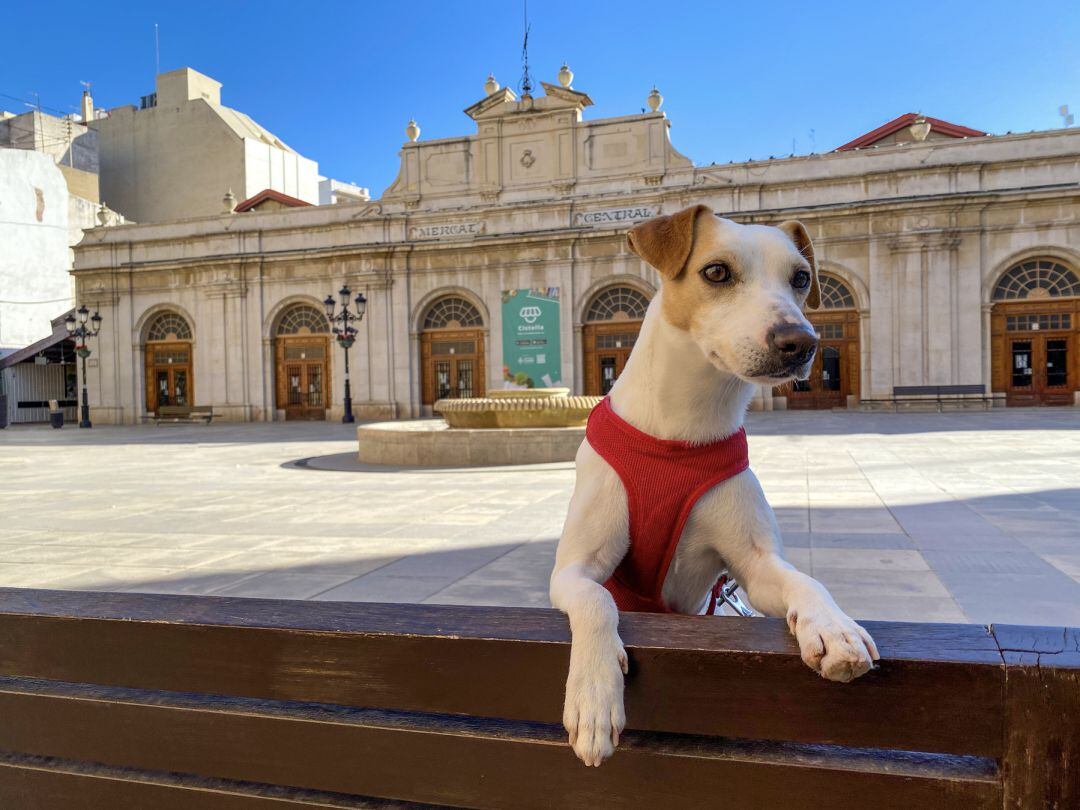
{"points": [[718, 273], [800, 280]]}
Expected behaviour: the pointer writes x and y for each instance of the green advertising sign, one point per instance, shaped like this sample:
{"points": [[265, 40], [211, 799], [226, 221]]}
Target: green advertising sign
{"points": [[531, 356]]}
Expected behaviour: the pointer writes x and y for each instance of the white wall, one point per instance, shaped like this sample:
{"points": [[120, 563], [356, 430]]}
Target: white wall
{"points": [[267, 166], [34, 258]]}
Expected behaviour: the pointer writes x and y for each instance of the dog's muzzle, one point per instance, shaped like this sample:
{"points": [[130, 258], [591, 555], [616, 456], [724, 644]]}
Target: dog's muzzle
{"points": [[792, 345]]}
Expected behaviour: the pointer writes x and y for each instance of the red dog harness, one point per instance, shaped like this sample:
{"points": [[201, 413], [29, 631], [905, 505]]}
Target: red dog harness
{"points": [[663, 479]]}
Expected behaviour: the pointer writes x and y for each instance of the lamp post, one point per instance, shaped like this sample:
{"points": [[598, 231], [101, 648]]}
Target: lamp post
{"points": [[346, 334], [79, 331]]}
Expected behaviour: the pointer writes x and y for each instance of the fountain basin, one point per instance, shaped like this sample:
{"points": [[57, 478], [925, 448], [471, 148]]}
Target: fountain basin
{"points": [[432, 443], [528, 408]]}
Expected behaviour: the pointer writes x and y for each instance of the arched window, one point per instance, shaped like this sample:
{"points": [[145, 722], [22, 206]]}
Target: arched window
{"points": [[168, 326], [617, 304], [452, 312], [834, 293], [302, 319], [1037, 278]]}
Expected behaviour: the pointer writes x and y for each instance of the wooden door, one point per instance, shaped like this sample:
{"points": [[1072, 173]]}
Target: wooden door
{"points": [[607, 347], [169, 378], [452, 365], [1038, 371], [302, 373], [835, 372], [1034, 351]]}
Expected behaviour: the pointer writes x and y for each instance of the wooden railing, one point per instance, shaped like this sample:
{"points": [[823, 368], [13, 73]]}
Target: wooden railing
{"points": [[139, 701]]}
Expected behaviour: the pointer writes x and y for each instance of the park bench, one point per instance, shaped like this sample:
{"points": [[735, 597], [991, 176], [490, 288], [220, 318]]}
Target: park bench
{"points": [[184, 413], [179, 703], [937, 395]]}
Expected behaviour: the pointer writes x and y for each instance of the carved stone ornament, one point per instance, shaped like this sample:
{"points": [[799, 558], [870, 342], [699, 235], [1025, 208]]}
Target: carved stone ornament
{"points": [[527, 159]]}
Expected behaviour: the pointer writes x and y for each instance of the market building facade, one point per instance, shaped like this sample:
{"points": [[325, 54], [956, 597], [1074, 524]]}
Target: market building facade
{"points": [[497, 259]]}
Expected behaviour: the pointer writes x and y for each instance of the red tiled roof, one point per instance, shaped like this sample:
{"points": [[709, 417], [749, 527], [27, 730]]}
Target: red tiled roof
{"points": [[905, 120], [270, 194]]}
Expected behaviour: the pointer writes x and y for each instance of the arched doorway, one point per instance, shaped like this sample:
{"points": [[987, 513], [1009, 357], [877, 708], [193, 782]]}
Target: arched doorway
{"points": [[1035, 333], [612, 322], [452, 351], [835, 373], [169, 363], [301, 362]]}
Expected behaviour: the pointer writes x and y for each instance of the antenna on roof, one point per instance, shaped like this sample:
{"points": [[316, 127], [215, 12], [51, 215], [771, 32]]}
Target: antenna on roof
{"points": [[1066, 116], [157, 52], [526, 81]]}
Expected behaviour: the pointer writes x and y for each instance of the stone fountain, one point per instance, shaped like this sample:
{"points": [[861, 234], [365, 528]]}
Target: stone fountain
{"points": [[529, 426]]}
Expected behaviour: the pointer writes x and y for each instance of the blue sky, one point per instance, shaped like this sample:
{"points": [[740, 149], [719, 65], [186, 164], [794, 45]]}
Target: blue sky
{"points": [[338, 81]]}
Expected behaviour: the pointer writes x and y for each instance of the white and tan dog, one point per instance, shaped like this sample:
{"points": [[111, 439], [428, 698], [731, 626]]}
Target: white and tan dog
{"points": [[728, 317]]}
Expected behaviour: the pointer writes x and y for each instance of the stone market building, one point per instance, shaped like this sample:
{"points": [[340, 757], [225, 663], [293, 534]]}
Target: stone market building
{"points": [[947, 256]]}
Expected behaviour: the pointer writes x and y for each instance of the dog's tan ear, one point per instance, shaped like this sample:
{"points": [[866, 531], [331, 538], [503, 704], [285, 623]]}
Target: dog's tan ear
{"points": [[665, 242], [796, 232]]}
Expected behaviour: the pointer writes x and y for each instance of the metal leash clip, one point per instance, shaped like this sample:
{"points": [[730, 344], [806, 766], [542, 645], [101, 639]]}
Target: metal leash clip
{"points": [[724, 594]]}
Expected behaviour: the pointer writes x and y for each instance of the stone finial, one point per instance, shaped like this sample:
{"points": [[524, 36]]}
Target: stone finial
{"points": [[103, 214], [491, 85], [655, 100], [228, 202], [566, 75], [412, 131]]}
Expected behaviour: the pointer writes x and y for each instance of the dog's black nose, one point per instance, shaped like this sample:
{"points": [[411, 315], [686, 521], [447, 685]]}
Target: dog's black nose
{"points": [[794, 344]]}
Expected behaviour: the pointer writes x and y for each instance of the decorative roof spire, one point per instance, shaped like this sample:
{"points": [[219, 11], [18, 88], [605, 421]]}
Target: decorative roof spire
{"points": [[491, 85], [525, 85]]}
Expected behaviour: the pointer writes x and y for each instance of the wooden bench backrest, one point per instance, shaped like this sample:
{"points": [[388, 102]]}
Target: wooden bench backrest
{"points": [[171, 701], [174, 410], [936, 390]]}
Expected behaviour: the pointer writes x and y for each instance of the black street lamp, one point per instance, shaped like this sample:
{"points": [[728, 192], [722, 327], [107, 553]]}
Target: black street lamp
{"points": [[79, 331], [346, 335]]}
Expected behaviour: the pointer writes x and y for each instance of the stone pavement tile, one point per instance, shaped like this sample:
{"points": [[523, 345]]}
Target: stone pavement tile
{"points": [[995, 541], [962, 563], [111, 578], [285, 585], [869, 558], [1053, 523], [902, 609], [434, 531], [10, 537], [187, 582], [1069, 563], [794, 539], [1049, 597], [946, 518], [824, 519], [799, 557], [36, 575], [1066, 499], [792, 520], [491, 592], [304, 563], [519, 577], [377, 587], [1050, 543], [164, 557], [874, 582], [864, 540], [84, 539], [48, 553], [451, 563]]}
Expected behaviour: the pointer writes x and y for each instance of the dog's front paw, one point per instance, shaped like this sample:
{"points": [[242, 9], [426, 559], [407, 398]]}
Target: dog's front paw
{"points": [[833, 645], [593, 713]]}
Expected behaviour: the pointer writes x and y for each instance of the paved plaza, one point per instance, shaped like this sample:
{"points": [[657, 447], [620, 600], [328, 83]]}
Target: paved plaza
{"points": [[957, 517]]}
